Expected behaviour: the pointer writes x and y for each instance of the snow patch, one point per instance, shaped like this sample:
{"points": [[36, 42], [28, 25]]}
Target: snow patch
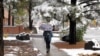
{"points": [[76, 52]]}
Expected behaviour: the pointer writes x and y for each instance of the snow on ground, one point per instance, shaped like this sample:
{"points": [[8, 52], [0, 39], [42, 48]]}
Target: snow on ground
{"points": [[54, 39], [91, 33], [76, 52], [9, 38], [9, 55]]}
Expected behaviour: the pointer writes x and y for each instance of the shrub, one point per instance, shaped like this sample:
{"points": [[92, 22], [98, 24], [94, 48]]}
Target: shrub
{"points": [[80, 32]]}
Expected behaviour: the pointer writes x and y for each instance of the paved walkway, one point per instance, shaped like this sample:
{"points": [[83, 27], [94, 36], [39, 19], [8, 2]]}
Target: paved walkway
{"points": [[40, 44]]}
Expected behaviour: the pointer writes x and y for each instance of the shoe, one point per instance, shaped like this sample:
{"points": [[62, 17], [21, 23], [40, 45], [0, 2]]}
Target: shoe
{"points": [[48, 51]]}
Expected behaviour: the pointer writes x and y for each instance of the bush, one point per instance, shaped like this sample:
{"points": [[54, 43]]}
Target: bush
{"points": [[80, 32]]}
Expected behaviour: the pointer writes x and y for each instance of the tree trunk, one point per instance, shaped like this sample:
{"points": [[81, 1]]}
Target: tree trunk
{"points": [[13, 20], [30, 20], [9, 15], [1, 28], [13, 16], [73, 2], [72, 33]]}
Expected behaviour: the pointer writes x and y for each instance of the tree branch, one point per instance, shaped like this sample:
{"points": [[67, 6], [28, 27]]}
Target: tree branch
{"points": [[92, 4], [85, 1], [91, 10]]}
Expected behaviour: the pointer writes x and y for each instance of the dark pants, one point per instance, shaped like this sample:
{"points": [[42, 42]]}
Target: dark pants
{"points": [[47, 37]]}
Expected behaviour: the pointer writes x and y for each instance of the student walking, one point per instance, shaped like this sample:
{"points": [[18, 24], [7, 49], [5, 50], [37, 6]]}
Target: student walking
{"points": [[47, 34]]}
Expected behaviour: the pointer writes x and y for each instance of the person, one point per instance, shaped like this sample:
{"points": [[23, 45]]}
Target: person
{"points": [[47, 34]]}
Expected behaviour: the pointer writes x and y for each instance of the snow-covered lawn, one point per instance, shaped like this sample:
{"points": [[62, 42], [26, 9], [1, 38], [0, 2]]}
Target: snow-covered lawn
{"points": [[91, 33]]}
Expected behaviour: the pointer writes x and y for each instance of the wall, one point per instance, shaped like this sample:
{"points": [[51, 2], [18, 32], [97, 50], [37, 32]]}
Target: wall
{"points": [[13, 29]]}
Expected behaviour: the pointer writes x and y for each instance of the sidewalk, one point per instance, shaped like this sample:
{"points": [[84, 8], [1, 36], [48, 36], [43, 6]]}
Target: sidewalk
{"points": [[40, 44]]}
